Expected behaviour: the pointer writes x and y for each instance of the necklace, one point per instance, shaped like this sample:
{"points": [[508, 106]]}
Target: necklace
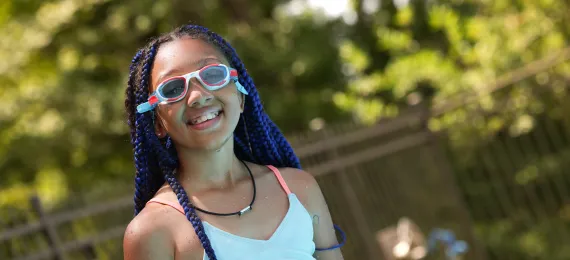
{"points": [[239, 213]]}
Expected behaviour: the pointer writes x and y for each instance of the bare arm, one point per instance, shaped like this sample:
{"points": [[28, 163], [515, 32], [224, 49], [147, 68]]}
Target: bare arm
{"points": [[324, 232]]}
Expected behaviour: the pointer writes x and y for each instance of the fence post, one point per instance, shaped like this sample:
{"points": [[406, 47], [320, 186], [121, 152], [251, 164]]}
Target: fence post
{"points": [[354, 205], [445, 169], [48, 228]]}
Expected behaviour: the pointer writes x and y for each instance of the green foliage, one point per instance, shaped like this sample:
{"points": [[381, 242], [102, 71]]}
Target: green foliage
{"points": [[62, 122], [434, 50]]}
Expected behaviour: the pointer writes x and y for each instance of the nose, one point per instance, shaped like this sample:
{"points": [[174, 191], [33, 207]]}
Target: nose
{"points": [[198, 96]]}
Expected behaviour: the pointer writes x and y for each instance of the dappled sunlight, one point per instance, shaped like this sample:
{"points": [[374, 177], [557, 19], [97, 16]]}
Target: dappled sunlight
{"points": [[51, 185], [17, 195], [454, 113]]}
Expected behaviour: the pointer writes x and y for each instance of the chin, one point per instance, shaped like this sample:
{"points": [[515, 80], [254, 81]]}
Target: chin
{"points": [[211, 141], [214, 143]]}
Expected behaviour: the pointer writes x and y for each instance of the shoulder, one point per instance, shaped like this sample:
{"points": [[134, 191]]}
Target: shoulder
{"points": [[304, 185], [152, 234], [148, 239], [297, 178]]}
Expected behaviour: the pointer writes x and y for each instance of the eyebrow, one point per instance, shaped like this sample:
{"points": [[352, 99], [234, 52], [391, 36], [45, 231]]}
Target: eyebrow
{"points": [[175, 71]]}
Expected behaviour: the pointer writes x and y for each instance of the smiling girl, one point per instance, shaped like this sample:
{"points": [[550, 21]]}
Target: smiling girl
{"points": [[215, 177]]}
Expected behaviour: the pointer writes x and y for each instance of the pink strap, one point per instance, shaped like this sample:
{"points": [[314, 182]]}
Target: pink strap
{"points": [[280, 179], [175, 206]]}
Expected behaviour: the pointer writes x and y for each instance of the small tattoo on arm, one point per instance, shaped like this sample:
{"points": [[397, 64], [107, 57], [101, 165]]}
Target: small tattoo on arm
{"points": [[316, 220]]}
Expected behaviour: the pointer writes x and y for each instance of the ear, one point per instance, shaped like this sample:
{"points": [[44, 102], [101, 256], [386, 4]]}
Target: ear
{"points": [[242, 102], [158, 128]]}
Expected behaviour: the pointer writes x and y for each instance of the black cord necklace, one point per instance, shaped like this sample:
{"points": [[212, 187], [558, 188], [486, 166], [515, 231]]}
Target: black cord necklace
{"points": [[241, 212]]}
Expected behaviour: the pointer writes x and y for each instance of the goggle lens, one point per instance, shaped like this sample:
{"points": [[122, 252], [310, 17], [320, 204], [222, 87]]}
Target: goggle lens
{"points": [[214, 75], [173, 88]]}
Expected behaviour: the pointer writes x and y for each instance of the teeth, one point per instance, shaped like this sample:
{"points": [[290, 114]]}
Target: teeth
{"points": [[205, 117]]}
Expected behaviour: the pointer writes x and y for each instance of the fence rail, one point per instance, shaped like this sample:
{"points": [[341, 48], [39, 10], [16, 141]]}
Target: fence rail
{"points": [[62, 218], [325, 156]]}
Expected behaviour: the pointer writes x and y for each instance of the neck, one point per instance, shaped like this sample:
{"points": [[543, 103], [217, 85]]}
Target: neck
{"points": [[201, 170]]}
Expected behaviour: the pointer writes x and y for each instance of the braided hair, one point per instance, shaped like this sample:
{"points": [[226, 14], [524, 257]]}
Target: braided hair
{"points": [[155, 159]]}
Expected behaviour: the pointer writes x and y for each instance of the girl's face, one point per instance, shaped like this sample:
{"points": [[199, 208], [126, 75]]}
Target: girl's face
{"points": [[202, 119]]}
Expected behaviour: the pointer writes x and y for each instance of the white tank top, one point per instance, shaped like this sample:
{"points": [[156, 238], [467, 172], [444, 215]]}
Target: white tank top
{"points": [[292, 240]]}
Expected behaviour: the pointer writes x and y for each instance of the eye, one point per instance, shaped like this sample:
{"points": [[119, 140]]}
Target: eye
{"points": [[173, 88], [213, 75]]}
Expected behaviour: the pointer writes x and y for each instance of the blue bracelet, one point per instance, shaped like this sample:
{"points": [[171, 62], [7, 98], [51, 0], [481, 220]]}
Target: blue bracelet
{"points": [[342, 235]]}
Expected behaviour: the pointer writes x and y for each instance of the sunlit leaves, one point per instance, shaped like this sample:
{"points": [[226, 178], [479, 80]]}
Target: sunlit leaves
{"points": [[354, 56], [404, 16], [404, 73], [51, 185], [476, 46], [395, 40]]}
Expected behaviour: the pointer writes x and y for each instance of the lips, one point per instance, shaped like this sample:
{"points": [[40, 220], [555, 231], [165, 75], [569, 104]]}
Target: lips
{"points": [[204, 116]]}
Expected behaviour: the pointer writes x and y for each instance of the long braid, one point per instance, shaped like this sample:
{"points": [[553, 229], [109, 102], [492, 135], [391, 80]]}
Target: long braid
{"points": [[255, 115], [168, 165], [283, 146], [144, 180], [129, 102], [165, 162], [130, 92], [256, 137]]}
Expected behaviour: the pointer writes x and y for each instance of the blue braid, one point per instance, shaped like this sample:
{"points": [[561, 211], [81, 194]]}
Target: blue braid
{"points": [[142, 180], [165, 161], [168, 164], [263, 144], [283, 146], [130, 90]]}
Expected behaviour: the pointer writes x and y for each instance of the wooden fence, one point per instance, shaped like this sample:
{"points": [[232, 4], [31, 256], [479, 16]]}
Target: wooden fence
{"points": [[509, 198], [370, 176]]}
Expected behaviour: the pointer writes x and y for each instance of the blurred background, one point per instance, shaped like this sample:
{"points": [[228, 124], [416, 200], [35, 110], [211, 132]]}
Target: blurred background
{"points": [[448, 113]]}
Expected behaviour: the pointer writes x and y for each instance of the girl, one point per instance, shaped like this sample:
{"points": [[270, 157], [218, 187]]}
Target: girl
{"points": [[207, 153]]}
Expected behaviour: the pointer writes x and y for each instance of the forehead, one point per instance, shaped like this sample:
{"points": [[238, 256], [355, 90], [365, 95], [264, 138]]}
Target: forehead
{"points": [[182, 56]]}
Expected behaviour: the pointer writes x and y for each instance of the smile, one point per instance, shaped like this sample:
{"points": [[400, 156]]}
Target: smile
{"points": [[205, 117], [207, 120]]}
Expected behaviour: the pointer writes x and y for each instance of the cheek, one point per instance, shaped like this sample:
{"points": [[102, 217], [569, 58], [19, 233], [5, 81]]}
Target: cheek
{"points": [[169, 113], [230, 96], [232, 106]]}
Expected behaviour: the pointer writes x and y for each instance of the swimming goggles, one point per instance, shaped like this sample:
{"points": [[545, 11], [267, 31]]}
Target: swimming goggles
{"points": [[212, 77]]}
